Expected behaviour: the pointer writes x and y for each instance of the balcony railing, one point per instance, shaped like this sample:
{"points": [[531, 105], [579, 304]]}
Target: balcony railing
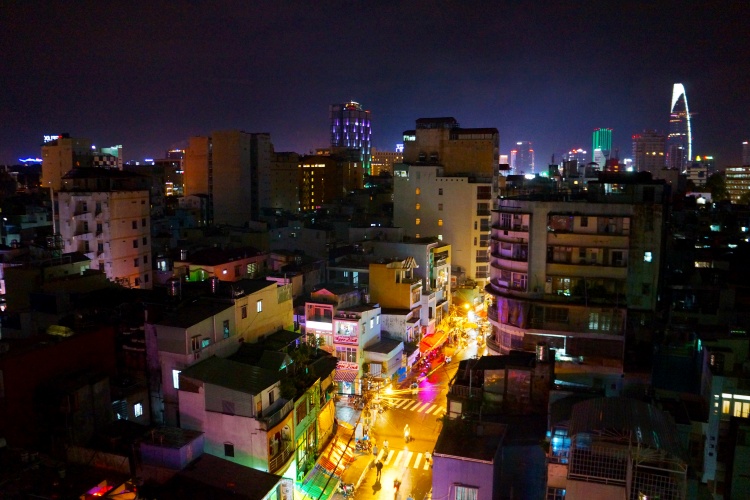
{"points": [[463, 391], [277, 461], [276, 415]]}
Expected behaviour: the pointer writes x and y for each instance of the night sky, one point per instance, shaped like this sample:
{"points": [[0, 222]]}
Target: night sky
{"points": [[150, 74]]}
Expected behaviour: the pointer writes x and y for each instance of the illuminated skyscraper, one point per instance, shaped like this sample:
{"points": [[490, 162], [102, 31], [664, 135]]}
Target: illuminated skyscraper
{"points": [[648, 151], [351, 131], [602, 145], [680, 138], [522, 158]]}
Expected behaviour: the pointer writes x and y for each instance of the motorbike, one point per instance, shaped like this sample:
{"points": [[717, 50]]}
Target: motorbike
{"points": [[346, 489], [363, 445]]}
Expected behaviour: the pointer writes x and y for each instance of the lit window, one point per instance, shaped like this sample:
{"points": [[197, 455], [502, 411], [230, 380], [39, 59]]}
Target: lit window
{"points": [[647, 257], [440, 222], [418, 221], [138, 409], [417, 191], [259, 306], [176, 379], [228, 450], [244, 312], [725, 407], [372, 322], [225, 324], [418, 206]]}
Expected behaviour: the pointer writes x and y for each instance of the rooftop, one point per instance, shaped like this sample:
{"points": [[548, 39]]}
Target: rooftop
{"points": [[384, 346], [232, 375], [459, 440], [219, 479], [193, 313]]}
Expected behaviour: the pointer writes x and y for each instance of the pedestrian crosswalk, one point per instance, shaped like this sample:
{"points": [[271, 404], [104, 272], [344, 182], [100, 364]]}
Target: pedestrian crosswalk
{"points": [[428, 408], [403, 459]]}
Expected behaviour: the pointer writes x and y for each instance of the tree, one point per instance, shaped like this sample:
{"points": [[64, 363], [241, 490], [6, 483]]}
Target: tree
{"points": [[717, 185]]}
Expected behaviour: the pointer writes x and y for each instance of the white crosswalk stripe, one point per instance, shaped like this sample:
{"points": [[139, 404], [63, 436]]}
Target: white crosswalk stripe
{"points": [[428, 408], [403, 459]]}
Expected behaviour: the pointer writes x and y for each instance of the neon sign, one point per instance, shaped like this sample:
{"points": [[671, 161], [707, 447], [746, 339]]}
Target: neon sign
{"points": [[50, 138]]}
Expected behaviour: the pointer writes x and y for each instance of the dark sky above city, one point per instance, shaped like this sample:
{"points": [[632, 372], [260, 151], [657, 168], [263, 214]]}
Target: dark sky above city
{"points": [[150, 74]]}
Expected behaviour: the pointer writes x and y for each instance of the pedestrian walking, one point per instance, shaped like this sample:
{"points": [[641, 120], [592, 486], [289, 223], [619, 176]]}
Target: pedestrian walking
{"points": [[407, 431], [375, 451], [385, 447], [379, 468]]}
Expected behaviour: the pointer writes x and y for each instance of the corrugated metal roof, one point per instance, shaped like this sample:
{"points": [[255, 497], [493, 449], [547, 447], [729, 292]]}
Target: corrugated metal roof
{"points": [[647, 424]]}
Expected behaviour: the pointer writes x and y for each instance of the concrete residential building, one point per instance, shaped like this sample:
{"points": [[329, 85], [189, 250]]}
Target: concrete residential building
{"points": [[285, 182], [240, 410], [455, 209], [105, 214], [383, 161], [648, 151], [617, 448], [570, 271], [230, 167], [61, 154], [737, 181], [442, 141]]}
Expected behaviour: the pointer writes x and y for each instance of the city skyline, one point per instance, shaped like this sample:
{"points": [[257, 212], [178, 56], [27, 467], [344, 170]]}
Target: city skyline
{"points": [[163, 73]]}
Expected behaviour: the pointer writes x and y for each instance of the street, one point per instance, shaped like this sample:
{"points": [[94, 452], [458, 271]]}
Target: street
{"points": [[407, 461]]}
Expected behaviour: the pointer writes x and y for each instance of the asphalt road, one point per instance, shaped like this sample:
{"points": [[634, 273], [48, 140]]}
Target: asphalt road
{"points": [[407, 461]]}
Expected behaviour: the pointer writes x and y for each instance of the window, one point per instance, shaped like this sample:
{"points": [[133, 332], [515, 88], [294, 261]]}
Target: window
{"points": [[244, 312], [259, 306], [145, 259], [100, 247], [466, 493], [418, 221], [135, 224], [440, 207], [418, 206], [145, 277], [98, 228], [584, 221], [647, 257], [556, 314], [440, 192], [135, 243], [98, 206], [440, 222], [135, 262], [143, 222], [176, 379], [138, 409], [555, 493], [205, 343], [417, 191], [226, 328], [270, 397], [348, 354], [301, 411], [237, 271], [228, 450], [195, 343], [372, 322], [145, 240]]}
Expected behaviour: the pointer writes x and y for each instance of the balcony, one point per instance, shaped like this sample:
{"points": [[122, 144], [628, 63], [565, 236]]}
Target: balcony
{"points": [[277, 461], [275, 413], [463, 391]]}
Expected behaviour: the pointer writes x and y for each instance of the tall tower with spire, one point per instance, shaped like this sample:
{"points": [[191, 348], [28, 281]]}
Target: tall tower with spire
{"points": [[680, 138]]}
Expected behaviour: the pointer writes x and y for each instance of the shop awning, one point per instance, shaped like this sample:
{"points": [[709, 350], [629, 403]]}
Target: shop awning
{"points": [[433, 341], [345, 375]]}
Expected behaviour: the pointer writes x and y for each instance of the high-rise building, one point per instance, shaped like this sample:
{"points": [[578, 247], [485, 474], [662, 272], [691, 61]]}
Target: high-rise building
{"points": [[579, 155], [746, 152], [383, 161], [442, 141], [285, 181], [602, 146], [572, 272], [648, 151], [104, 214], [737, 182], [60, 154], [351, 130], [522, 158], [446, 187], [680, 138], [230, 167]]}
